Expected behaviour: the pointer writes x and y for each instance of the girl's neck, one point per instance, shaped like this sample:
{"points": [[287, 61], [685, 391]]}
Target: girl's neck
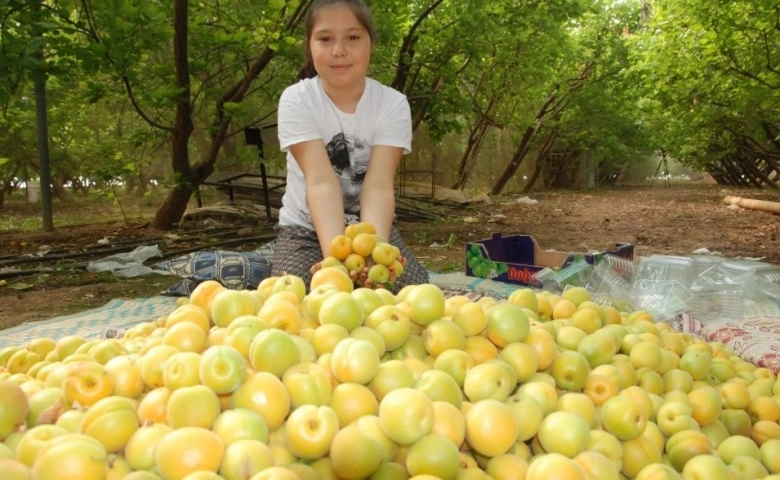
{"points": [[346, 99]]}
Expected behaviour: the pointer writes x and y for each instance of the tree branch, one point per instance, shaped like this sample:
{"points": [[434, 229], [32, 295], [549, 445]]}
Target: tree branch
{"points": [[736, 67], [772, 133], [406, 53], [237, 92], [92, 33], [768, 55]]}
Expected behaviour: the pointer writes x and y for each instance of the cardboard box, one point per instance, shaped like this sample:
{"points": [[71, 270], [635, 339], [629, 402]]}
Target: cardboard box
{"points": [[517, 258]]}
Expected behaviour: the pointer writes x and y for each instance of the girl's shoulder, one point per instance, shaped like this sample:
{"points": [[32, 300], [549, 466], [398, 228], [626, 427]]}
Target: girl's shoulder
{"points": [[383, 96], [378, 88], [308, 87], [304, 96]]}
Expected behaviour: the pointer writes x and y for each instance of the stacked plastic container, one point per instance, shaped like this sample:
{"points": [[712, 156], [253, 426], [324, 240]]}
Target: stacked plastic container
{"points": [[755, 276], [717, 295], [708, 287], [611, 282], [661, 285], [575, 274]]}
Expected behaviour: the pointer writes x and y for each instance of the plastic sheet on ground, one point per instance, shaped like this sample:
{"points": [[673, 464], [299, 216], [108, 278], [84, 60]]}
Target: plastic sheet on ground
{"points": [[130, 264]]}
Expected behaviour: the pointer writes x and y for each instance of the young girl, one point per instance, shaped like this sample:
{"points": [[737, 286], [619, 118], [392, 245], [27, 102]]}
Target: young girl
{"points": [[344, 134]]}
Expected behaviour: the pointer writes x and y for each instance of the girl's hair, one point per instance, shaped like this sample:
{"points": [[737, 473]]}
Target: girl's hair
{"points": [[358, 7]]}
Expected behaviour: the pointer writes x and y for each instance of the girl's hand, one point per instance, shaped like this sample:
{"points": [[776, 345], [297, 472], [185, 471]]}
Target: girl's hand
{"points": [[362, 278], [314, 268]]}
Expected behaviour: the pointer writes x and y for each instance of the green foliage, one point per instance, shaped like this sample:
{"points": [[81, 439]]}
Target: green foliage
{"points": [[708, 77], [113, 174], [613, 79]]}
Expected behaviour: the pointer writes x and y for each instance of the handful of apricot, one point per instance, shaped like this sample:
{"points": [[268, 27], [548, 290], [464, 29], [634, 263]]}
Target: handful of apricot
{"points": [[369, 261]]}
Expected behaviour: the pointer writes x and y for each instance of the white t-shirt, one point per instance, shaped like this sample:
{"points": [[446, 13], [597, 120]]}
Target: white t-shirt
{"points": [[306, 113]]}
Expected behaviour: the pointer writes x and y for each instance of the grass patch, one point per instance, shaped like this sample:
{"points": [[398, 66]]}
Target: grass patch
{"points": [[18, 214], [23, 224]]}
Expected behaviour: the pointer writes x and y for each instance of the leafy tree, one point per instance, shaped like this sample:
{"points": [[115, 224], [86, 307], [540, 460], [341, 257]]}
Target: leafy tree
{"points": [[564, 73], [164, 89], [712, 84], [601, 123], [176, 91]]}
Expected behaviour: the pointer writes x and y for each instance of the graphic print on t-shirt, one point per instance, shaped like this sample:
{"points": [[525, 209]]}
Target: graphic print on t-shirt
{"points": [[338, 152], [349, 157]]}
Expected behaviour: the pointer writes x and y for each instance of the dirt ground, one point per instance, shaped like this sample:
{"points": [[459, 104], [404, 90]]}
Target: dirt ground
{"points": [[668, 220]]}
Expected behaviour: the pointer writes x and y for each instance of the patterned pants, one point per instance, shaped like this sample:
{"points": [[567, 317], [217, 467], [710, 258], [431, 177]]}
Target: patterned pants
{"points": [[296, 249]]}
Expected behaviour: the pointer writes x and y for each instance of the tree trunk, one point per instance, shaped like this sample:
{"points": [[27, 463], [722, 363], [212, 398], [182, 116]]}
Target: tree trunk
{"points": [[558, 176], [607, 175], [236, 94], [8, 186], [405, 61], [541, 155], [191, 176], [468, 159], [514, 162], [551, 107], [79, 186], [130, 185], [58, 189], [142, 185], [523, 146], [419, 114], [772, 134], [175, 204]]}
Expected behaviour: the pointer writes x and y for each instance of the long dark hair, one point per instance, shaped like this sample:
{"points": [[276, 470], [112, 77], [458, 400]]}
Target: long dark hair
{"points": [[361, 11]]}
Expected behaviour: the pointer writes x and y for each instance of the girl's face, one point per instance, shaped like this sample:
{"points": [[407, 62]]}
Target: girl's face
{"points": [[340, 47]]}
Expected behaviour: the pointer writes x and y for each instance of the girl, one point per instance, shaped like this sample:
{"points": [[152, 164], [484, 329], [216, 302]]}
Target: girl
{"points": [[344, 134]]}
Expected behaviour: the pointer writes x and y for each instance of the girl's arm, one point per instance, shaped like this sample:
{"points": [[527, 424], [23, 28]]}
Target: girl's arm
{"points": [[377, 196], [323, 191]]}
